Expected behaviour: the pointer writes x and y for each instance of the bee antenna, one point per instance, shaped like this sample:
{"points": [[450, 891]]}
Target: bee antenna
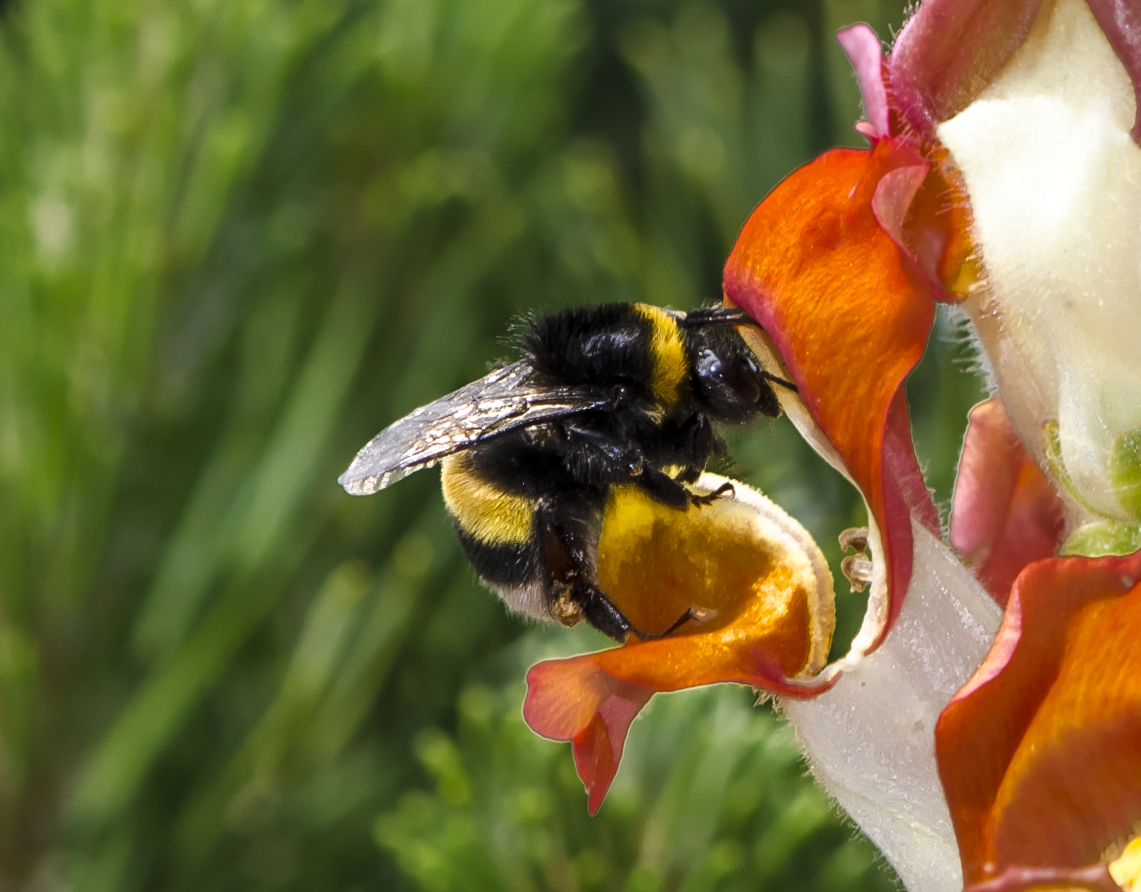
{"points": [[788, 385], [716, 316]]}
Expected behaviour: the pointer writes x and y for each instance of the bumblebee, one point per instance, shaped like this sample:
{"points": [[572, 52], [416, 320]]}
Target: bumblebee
{"points": [[603, 396]]}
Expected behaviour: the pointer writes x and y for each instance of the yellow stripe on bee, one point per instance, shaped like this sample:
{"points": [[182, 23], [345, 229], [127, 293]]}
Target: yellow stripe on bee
{"points": [[484, 511], [671, 365]]}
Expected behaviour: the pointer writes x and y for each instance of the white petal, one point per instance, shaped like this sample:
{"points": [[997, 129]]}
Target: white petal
{"points": [[1054, 180], [870, 739]]}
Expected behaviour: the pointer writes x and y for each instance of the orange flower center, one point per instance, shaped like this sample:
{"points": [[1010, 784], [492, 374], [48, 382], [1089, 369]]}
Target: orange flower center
{"points": [[738, 569]]}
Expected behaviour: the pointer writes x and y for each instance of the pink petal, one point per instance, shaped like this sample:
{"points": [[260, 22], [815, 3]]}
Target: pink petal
{"points": [[598, 750], [866, 54], [949, 51], [1005, 515]]}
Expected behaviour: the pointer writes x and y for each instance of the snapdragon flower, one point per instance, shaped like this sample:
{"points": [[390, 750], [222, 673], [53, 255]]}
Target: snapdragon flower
{"points": [[1003, 174]]}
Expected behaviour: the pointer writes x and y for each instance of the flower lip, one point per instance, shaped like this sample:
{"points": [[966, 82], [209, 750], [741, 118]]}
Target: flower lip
{"points": [[735, 561], [766, 593]]}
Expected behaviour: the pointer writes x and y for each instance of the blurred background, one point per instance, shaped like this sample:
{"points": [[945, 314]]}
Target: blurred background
{"points": [[237, 238]]}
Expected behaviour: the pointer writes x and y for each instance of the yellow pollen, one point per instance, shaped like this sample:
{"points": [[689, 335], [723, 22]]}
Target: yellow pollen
{"points": [[1126, 870], [965, 278]]}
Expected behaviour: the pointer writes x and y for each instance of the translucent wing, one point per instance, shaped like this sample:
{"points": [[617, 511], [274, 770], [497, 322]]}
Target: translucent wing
{"points": [[505, 400]]}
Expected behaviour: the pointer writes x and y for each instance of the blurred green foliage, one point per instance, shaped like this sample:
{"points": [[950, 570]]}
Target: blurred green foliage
{"points": [[237, 237]]}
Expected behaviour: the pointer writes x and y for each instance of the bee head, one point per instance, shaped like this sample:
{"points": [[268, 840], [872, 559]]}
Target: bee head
{"points": [[729, 382]]}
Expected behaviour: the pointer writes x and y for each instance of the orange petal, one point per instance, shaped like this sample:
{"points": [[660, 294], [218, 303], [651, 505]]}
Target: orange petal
{"points": [[1005, 514], [932, 224], [1040, 753], [761, 586], [820, 266]]}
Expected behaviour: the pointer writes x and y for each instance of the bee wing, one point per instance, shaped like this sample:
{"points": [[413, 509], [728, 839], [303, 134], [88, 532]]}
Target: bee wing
{"points": [[504, 400]]}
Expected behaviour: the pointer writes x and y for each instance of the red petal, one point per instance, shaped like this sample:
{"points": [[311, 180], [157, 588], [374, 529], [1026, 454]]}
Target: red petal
{"points": [[849, 312], [575, 700], [1040, 753], [949, 51], [1039, 879], [1005, 514]]}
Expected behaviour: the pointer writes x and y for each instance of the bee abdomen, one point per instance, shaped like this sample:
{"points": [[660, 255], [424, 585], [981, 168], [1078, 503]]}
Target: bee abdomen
{"points": [[498, 534], [486, 512]]}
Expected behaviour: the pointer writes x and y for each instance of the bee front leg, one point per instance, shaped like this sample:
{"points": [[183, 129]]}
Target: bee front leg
{"points": [[665, 489], [599, 458], [696, 443]]}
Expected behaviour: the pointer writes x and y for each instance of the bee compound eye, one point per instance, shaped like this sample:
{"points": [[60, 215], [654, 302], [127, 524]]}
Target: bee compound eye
{"points": [[709, 364], [737, 377]]}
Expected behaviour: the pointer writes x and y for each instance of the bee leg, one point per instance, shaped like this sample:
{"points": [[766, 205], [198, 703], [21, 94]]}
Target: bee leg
{"points": [[661, 487], [601, 458], [665, 489], [690, 614], [724, 490], [575, 594], [604, 615], [787, 385]]}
